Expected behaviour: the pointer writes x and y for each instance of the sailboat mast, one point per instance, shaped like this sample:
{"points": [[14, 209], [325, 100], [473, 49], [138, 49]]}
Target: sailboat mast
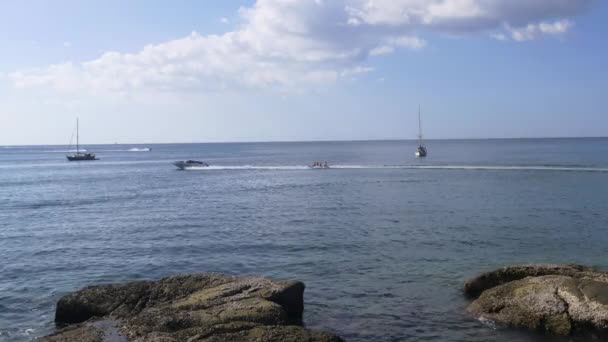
{"points": [[419, 128], [77, 148]]}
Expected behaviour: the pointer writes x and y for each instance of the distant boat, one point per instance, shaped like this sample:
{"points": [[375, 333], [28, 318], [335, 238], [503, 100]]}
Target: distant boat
{"points": [[421, 150], [186, 164], [319, 165], [79, 156]]}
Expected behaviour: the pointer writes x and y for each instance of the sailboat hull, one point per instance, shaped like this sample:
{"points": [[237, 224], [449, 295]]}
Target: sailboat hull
{"points": [[421, 152], [81, 157]]}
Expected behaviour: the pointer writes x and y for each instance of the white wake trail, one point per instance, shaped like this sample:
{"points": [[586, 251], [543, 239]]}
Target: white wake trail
{"points": [[405, 167]]}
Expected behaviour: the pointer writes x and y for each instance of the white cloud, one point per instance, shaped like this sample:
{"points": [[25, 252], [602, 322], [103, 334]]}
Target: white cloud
{"points": [[382, 50], [461, 16], [292, 43], [224, 20], [499, 36], [356, 70], [533, 31], [390, 44]]}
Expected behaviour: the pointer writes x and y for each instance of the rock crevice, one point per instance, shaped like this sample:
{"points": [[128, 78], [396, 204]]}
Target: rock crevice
{"points": [[566, 311]]}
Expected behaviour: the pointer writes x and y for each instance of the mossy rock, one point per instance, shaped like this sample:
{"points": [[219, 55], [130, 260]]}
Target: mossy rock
{"points": [[556, 299], [195, 307]]}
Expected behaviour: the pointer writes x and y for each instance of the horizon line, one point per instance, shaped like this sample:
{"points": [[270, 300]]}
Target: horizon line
{"points": [[313, 141]]}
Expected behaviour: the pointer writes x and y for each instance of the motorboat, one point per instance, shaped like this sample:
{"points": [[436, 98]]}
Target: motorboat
{"points": [[319, 165], [186, 164]]}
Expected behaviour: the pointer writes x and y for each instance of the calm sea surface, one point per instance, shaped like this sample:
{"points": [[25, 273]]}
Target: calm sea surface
{"points": [[383, 241]]}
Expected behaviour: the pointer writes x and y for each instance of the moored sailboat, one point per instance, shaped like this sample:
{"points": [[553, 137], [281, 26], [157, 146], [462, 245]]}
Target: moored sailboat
{"points": [[421, 150], [78, 155]]}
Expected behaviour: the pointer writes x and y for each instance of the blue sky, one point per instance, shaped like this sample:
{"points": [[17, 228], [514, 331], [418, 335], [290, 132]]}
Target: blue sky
{"points": [[267, 70]]}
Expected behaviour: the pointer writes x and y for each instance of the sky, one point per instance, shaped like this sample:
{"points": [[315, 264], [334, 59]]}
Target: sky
{"points": [[297, 70]]}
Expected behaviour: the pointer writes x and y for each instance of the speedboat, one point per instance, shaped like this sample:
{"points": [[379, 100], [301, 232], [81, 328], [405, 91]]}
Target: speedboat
{"points": [[186, 164]]}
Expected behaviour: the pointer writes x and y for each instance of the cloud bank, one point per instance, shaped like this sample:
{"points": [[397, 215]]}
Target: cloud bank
{"points": [[297, 43]]}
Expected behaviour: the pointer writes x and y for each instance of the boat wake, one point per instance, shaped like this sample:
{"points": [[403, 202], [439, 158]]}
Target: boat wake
{"points": [[504, 168], [406, 167], [478, 167], [134, 149], [248, 167], [514, 168]]}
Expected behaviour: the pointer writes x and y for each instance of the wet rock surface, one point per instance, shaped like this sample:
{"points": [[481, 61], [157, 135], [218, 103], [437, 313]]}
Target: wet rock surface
{"points": [[557, 299], [196, 307]]}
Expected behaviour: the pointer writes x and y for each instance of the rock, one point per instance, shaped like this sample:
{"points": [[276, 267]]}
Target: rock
{"points": [[474, 287], [81, 333], [196, 307], [558, 299]]}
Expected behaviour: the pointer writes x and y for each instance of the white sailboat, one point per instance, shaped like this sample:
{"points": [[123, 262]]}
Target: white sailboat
{"points": [[421, 150], [79, 156]]}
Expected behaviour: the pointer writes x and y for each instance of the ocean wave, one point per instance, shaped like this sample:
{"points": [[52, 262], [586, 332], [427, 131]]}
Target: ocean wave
{"points": [[16, 332], [487, 322], [96, 164]]}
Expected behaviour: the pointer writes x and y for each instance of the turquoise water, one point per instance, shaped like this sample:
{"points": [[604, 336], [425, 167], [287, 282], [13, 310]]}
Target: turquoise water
{"points": [[383, 240]]}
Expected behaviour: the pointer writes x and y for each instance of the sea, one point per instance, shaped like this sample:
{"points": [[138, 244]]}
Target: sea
{"points": [[383, 241]]}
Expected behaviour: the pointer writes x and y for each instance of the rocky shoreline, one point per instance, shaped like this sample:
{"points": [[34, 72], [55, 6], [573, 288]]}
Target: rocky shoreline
{"points": [[555, 299], [193, 307]]}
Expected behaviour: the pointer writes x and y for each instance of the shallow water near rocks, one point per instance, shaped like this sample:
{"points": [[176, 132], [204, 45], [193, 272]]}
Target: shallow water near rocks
{"points": [[383, 241]]}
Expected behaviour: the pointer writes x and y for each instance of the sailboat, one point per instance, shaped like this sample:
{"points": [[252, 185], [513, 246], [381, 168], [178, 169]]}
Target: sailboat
{"points": [[80, 156], [421, 150]]}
